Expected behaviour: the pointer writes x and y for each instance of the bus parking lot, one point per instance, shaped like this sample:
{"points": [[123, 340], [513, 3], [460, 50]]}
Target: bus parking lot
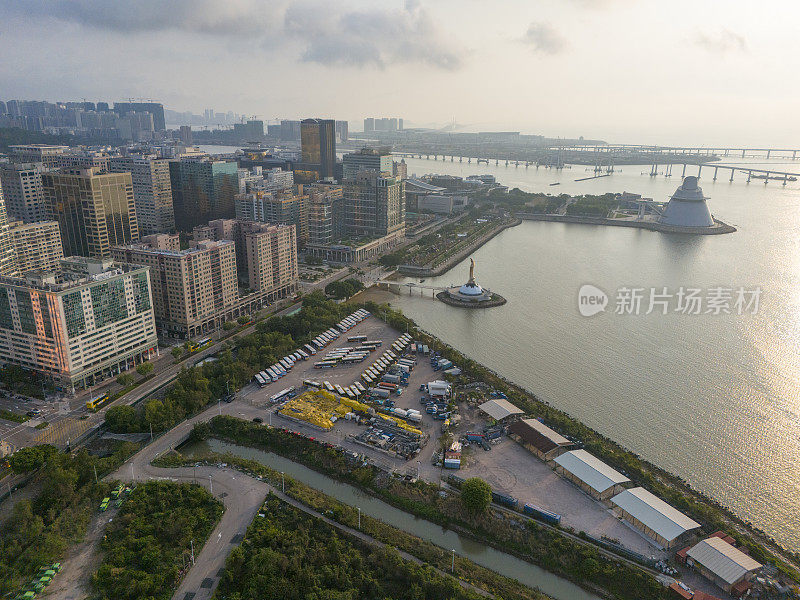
{"points": [[507, 466]]}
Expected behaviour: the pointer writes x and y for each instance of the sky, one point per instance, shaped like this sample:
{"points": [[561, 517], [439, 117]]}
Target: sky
{"points": [[683, 72]]}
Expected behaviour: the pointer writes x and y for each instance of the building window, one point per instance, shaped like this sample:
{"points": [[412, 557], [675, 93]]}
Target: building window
{"points": [[27, 321], [73, 313], [6, 322]]}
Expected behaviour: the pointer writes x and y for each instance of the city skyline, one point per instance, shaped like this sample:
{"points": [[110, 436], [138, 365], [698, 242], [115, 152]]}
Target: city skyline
{"points": [[618, 70]]}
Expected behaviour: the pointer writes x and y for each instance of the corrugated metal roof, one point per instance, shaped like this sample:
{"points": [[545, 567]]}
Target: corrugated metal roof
{"points": [[727, 562], [500, 409], [592, 471], [653, 512], [538, 434]]}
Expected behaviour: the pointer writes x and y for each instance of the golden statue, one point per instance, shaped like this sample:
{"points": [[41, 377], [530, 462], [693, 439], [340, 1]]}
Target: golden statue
{"points": [[471, 271]]}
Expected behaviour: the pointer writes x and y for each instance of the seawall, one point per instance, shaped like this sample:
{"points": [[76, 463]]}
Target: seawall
{"points": [[718, 228]]}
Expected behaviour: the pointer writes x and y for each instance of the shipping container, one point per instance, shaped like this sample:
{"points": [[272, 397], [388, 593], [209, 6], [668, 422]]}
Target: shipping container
{"points": [[504, 499], [548, 517]]}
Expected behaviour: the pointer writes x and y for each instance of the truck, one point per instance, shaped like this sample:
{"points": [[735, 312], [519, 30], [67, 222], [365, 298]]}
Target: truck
{"points": [[452, 463], [399, 412], [388, 386], [414, 417], [444, 363], [473, 436], [380, 392], [391, 378], [548, 517]]}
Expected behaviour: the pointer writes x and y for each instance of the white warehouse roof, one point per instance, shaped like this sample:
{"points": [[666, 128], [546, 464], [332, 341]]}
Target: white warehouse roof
{"points": [[726, 562], [499, 409], [590, 470], [653, 512]]}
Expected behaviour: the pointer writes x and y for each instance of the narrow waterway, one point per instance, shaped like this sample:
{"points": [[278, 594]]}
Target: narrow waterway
{"points": [[484, 555]]}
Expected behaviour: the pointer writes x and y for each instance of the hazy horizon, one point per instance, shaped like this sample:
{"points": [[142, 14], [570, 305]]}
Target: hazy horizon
{"points": [[687, 73]]}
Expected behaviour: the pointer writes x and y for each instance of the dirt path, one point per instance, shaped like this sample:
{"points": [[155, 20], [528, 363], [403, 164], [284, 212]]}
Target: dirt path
{"points": [[73, 582]]}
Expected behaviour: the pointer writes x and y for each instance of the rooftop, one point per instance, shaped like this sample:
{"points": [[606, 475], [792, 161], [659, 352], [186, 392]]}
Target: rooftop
{"points": [[724, 560], [653, 512], [590, 470], [499, 409], [538, 434]]}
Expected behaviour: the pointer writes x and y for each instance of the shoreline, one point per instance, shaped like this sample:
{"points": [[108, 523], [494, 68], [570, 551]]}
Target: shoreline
{"points": [[456, 258], [718, 228], [614, 453]]}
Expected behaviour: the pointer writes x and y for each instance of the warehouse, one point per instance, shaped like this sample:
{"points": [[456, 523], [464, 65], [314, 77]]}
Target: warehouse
{"points": [[592, 475], [500, 409], [652, 516], [538, 438], [724, 564]]}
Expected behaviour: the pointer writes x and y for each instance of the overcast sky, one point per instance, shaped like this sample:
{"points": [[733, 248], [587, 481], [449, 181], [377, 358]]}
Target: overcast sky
{"points": [[677, 72]]}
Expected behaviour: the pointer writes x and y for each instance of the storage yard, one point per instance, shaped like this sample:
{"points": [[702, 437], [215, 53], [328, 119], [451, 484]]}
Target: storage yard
{"points": [[373, 391]]}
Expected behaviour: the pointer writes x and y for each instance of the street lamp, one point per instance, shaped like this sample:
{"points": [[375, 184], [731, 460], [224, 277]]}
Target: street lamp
{"points": [[453, 564], [283, 483], [359, 518], [211, 484]]}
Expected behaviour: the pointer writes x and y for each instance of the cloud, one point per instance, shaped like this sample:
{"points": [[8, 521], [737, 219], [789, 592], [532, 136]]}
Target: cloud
{"points": [[721, 43], [371, 37], [231, 17], [545, 39], [326, 33]]}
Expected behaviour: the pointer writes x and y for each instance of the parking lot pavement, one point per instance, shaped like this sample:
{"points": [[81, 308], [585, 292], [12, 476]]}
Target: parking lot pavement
{"points": [[510, 468]]}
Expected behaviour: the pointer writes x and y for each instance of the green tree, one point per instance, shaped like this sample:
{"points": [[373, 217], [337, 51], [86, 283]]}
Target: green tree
{"points": [[124, 379], [121, 419], [476, 495], [145, 369], [177, 352], [29, 459]]}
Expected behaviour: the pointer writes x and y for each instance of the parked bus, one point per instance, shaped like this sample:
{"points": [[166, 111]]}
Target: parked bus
{"points": [[97, 402], [310, 349], [328, 386], [285, 364], [376, 343], [360, 387], [339, 389], [312, 384], [259, 380], [357, 338], [303, 354], [282, 395]]}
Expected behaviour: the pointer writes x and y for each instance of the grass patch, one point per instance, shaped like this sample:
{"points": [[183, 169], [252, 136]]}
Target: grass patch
{"points": [[12, 416]]}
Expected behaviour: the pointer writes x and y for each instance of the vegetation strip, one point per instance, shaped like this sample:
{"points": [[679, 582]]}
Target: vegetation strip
{"points": [[146, 549], [465, 569]]}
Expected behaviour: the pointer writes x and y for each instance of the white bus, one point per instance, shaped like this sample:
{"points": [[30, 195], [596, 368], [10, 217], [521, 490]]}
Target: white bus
{"points": [[259, 380], [339, 389], [310, 349], [282, 395], [328, 386], [360, 387], [266, 377], [312, 384]]}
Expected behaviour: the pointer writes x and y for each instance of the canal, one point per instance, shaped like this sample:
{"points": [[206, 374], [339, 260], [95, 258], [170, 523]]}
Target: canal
{"points": [[486, 556]]}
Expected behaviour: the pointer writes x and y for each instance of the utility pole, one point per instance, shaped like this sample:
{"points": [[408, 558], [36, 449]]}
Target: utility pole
{"points": [[151, 432], [283, 483], [359, 518], [453, 564], [95, 473], [211, 484], [191, 543]]}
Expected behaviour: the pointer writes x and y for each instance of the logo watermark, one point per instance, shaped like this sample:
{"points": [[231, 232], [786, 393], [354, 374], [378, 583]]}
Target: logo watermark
{"points": [[683, 300]]}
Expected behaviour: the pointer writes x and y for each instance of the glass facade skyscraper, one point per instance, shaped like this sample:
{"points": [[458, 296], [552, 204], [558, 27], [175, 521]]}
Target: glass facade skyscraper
{"points": [[318, 146]]}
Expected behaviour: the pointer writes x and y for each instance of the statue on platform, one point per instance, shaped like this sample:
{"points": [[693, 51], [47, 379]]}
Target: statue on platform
{"points": [[471, 271]]}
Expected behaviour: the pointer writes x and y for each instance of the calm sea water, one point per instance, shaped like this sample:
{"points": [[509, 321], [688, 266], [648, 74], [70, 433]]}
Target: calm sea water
{"points": [[713, 398]]}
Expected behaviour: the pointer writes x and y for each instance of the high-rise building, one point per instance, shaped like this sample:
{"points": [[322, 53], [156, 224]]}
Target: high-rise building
{"points": [[185, 134], [87, 322], [400, 169], [152, 191], [249, 131], [48, 156], [270, 255], [95, 211], [22, 189], [342, 130], [290, 131], [195, 290], [83, 159], [369, 125], [7, 260], [367, 159], [191, 288], [318, 146], [281, 207], [324, 213], [154, 108], [374, 204], [36, 246], [202, 190], [163, 241]]}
